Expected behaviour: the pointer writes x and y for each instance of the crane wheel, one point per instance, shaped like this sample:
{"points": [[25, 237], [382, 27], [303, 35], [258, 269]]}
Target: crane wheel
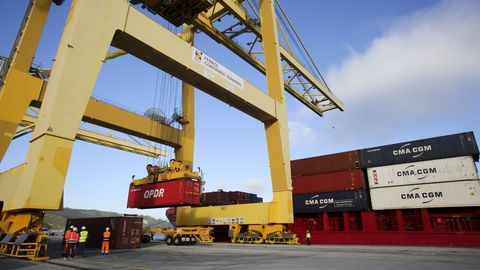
{"points": [[169, 240], [177, 241]]}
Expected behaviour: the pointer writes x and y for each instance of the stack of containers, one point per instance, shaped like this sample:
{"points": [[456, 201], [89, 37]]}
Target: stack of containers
{"points": [[221, 197], [331, 183], [434, 172]]}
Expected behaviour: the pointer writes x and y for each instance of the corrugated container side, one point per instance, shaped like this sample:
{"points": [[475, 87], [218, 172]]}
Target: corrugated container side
{"points": [[338, 162], [129, 233], [447, 194], [126, 232], [331, 202], [215, 198], [228, 197], [164, 194], [423, 172], [328, 182], [462, 144], [171, 214], [235, 197]]}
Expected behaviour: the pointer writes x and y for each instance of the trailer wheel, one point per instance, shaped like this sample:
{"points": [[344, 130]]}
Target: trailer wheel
{"points": [[169, 240], [177, 241]]}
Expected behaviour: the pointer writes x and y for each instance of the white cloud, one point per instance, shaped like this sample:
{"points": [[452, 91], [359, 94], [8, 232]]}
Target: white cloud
{"points": [[423, 67], [255, 186], [301, 134], [430, 48]]}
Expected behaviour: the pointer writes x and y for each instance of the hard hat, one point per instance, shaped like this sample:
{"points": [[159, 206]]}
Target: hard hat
{"points": [[75, 229], [107, 228], [83, 228], [71, 227]]}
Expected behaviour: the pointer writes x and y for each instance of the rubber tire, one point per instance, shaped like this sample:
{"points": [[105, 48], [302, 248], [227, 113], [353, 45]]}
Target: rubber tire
{"points": [[177, 241], [169, 240]]}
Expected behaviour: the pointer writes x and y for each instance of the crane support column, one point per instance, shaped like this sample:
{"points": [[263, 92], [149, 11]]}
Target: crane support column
{"points": [[187, 139], [281, 210], [20, 88], [38, 183]]}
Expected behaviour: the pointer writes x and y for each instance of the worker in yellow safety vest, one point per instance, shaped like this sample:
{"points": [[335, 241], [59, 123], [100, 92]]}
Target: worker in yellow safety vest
{"points": [[309, 238], [82, 241], [106, 241]]}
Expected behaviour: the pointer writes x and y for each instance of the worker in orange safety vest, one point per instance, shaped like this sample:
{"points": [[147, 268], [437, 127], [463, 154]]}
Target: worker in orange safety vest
{"points": [[106, 241], [66, 235], [72, 241]]}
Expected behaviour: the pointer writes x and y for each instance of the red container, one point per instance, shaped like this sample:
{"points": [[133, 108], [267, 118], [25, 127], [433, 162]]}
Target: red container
{"points": [[238, 197], [328, 182], [346, 161], [165, 194], [171, 214], [215, 198], [125, 231]]}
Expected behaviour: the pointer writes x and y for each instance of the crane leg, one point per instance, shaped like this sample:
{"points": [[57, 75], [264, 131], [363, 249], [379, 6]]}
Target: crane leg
{"points": [[21, 235]]}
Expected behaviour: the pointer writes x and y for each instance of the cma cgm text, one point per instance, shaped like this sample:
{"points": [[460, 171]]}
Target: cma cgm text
{"points": [[417, 172], [318, 201], [436, 194], [406, 151]]}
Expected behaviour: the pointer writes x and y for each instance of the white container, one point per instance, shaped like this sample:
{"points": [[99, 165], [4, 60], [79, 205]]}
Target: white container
{"points": [[447, 194], [431, 171]]}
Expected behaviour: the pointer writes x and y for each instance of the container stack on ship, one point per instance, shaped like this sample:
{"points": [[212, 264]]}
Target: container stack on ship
{"points": [[326, 191], [423, 192]]}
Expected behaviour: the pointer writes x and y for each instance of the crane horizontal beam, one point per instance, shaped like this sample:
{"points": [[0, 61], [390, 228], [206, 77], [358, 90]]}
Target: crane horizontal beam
{"points": [[253, 213], [165, 50], [107, 115], [108, 141], [298, 81], [110, 116]]}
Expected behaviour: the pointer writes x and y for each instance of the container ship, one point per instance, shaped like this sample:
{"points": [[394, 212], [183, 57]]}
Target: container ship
{"points": [[423, 192]]}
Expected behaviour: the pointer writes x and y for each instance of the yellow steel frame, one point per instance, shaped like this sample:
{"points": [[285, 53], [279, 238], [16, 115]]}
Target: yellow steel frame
{"points": [[90, 29], [280, 210], [20, 88], [108, 141], [202, 234], [301, 84], [187, 139], [106, 115]]}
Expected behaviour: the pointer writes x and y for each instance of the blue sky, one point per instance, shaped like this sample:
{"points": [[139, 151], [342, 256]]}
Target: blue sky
{"points": [[405, 70]]}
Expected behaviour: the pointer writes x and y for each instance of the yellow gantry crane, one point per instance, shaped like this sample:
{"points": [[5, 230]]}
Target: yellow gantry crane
{"points": [[63, 95]]}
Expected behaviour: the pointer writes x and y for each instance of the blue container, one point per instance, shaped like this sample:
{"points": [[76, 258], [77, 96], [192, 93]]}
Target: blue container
{"points": [[462, 144], [331, 202]]}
